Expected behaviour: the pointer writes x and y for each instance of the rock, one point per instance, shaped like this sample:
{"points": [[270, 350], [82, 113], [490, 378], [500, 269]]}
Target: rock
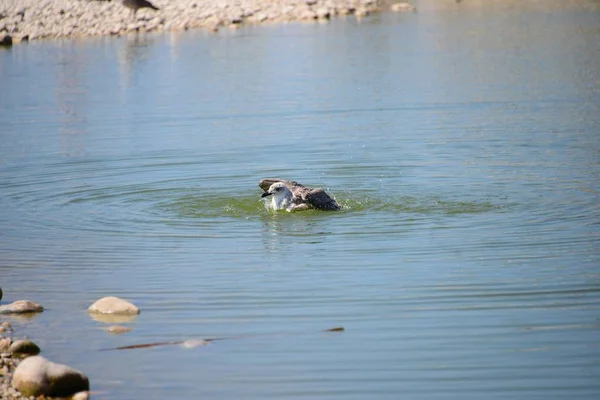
{"points": [[36, 376], [402, 7], [21, 307], [24, 347], [118, 329], [323, 13], [6, 325], [5, 344], [85, 395], [113, 305], [192, 343], [0, 293], [5, 40]]}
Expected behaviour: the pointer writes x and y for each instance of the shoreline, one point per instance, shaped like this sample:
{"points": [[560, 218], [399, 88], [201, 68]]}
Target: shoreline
{"points": [[25, 20]]}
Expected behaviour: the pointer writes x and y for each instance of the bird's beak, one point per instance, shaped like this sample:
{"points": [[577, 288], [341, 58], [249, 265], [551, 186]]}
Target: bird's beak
{"points": [[265, 194]]}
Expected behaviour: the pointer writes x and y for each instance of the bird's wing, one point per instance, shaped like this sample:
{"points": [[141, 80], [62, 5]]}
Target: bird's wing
{"points": [[266, 183], [320, 200]]}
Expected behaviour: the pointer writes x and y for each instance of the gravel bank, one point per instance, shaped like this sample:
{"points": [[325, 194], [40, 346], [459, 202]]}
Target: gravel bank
{"points": [[8, 364], [36, 19]]}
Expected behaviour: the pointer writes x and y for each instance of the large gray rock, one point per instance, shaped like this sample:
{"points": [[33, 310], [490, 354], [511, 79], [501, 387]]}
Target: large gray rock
{"points": [[23, 348], [36, 376], [113, 305], [21, 307]]}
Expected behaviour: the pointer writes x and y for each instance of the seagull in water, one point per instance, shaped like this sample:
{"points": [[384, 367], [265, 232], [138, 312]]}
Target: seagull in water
{"points": [[292, 196]]}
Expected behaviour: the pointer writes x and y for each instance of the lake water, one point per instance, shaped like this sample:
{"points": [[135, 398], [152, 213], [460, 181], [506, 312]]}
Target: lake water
{"points": [[463, 141]]}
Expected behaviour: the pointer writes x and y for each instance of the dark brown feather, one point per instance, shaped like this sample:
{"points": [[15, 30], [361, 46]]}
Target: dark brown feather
{"points": [[315, 198]]}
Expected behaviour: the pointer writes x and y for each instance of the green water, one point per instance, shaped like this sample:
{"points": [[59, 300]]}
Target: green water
{"points": [[463, 142]]}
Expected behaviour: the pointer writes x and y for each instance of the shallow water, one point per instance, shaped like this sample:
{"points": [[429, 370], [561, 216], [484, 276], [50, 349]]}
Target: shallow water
{"points": [[463, 142]]}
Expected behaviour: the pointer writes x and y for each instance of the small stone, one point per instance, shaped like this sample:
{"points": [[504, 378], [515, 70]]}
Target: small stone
{"points": [[113, 305], [24, 347], [191, 343], [118, 329], [5, 344], [21, 307], [36, 376], [6, 41], [402, 7]]}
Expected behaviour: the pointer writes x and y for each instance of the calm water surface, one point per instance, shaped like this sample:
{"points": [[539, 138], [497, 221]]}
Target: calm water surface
{"points": [[463, 140]]}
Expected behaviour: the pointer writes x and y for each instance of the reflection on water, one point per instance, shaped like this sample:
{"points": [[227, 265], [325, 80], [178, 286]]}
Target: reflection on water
{"points": [[462, 141], [133, 55]]}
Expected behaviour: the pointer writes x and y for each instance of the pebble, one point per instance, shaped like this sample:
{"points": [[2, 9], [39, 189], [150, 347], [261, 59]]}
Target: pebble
{"points": [[118, 329], [8, 363], [37, 19]]}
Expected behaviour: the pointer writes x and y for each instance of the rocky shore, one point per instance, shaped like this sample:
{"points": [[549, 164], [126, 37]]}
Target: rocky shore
{"points": [[22, 20], [26, 375]]}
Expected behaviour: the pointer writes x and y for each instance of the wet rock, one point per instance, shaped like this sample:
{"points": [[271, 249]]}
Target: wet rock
{"points": [[113, 305], [5, 40], [36, 376], [24, 347], [21, 307], [118, 329], [192, 343], [85, 395]]}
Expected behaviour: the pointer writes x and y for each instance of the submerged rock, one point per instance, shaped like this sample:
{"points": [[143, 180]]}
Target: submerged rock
{"points": [[21, 307], [118, 329], [113, 305], [24, 348], [36, 376]]}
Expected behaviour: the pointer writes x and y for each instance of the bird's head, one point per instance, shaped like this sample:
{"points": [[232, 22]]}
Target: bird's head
{"points": [[277, 190]]}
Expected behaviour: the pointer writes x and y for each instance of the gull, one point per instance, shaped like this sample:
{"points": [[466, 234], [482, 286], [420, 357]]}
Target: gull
{"points": [[292, 196]]}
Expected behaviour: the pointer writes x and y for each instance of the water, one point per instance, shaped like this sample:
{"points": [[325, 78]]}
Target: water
{"points": [[463, 141]]}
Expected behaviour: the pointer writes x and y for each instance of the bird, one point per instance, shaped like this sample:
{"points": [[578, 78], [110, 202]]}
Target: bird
{"points": [[135, 5], [293, 196]]}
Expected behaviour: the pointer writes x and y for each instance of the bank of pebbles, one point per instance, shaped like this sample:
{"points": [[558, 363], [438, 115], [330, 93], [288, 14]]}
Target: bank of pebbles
{"points": [[22, 20], [8, 363]]}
